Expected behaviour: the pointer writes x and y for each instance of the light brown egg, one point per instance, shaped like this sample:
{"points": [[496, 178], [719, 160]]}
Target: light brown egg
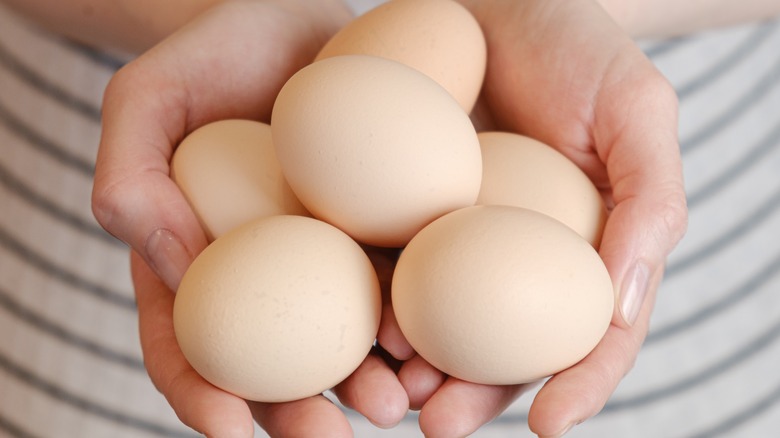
{"points": [[501, 295], [375, 147], [229, 174], [278, 309], [523, 172], [438, 37]]}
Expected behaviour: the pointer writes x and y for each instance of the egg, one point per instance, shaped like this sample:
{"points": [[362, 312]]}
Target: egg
{"points": [[437, 37], [229, 174], [523, 172], [278, 309], [501, 295], [375, 147]]}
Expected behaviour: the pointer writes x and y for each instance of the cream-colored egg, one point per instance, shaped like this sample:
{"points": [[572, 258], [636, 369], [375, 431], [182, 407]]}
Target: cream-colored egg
{"points": [[229, 174], [278, 309], [438, 37], [501, 295], [375, 147], [523, 172]]}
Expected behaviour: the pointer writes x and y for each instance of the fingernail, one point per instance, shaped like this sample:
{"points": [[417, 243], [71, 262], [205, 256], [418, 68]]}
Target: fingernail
{"points": [[167, 256], [632, 295], [563, 431]]}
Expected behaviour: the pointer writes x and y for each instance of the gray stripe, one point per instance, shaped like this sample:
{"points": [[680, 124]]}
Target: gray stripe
{"points": [[700, 377], [63, 395], [751, 97], [96, 55], [740, 293], [742, 417], [726, 238], [56, 151], [662, 47], [64, 335], [49, 268], [766, 145], [750, 44], [696, 379], [45, 205], [35, 80], [13, 429]]}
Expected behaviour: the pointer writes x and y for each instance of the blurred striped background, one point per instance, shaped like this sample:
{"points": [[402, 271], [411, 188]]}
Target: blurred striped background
{"points": [[70, 364]]}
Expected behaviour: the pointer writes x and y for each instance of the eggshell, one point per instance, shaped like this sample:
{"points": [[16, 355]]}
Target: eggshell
{"points": [[229, 174], [375, 147], [438, 37], [278, 309], [523, 172], [501, 295]]}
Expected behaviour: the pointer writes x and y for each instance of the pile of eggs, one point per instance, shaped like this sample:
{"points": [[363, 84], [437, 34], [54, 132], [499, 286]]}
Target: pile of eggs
{"points": [[371, 145]]}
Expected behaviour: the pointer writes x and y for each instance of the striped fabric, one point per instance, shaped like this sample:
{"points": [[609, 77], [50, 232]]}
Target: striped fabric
{"points": [[70, 364]]}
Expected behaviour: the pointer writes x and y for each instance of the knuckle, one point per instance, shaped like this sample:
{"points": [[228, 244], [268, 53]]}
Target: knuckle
{"points": [[674, 214]]}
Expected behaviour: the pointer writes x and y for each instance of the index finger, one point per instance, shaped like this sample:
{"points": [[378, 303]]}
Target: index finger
{"points": [[209, 70]]}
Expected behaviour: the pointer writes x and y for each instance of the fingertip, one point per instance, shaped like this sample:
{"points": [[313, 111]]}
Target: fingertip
{"points": [[374, 391], [420, 380], [147, 211], [315, 417], [390, 336], [167, 256], [211, 411], [554, 411], [197, 403], [459, 408], [581, 392]]}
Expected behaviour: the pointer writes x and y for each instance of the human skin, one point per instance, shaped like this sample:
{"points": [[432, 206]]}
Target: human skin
{"points": [[565, 73], [131, 26], [228, 63], [619, 124], [134, 26], [604, 105], [667, 18]]}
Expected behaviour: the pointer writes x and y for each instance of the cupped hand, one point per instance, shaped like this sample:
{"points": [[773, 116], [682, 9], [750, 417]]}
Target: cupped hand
{"points": [[564, 73], [228, 63]]}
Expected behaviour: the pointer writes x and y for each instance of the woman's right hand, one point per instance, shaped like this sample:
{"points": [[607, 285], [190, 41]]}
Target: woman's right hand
{"points": [[228, 63]]}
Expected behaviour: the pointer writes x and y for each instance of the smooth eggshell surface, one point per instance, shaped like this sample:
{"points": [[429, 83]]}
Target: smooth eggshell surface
{"points": [[229, 174], [375, 147], [437, 37], [501, 295], [278, 309], [523, 172]]}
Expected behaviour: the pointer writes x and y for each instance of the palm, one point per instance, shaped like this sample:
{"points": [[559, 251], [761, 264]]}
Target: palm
{"points": [[229, 63], [563, 73]]}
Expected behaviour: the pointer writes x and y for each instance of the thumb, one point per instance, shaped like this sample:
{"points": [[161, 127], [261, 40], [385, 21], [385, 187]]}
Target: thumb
{"points": [[645, 172], [206, 71], [133, 196]]}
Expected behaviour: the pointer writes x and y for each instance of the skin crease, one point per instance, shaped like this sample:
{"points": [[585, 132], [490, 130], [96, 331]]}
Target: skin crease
{"points": [[610, 111], [207, 71], [606, 108], [604, 105]]}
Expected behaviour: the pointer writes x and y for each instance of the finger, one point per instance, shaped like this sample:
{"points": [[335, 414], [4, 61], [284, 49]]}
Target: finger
{"points": [[420, 380], [580, 392], [389, 335], [197, 403], [374, 391], [615, 99], [637, 139], [459, 408], [315, 417], [220, 66]]}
